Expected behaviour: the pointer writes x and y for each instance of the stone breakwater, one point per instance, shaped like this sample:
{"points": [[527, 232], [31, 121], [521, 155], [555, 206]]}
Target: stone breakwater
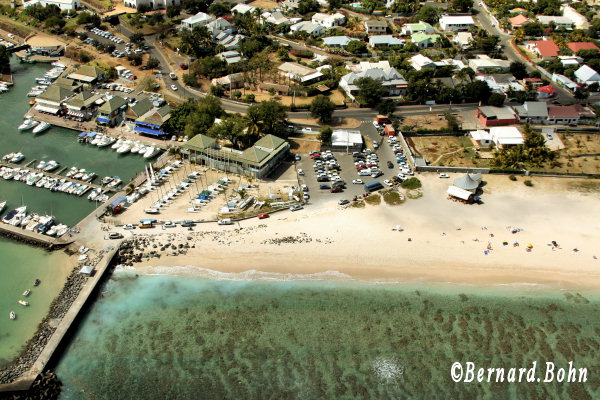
{"points": [[58, 308], [46, 386]]}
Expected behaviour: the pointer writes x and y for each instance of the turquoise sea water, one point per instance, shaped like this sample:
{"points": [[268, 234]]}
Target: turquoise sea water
{"points": [[169, 337], [20, 265]]}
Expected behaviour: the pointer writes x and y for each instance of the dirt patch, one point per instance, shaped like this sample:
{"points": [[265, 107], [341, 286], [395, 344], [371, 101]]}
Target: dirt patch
{"points": [[448, 151], [303, 146], [581, 154], [426, 122], [264, 4]]}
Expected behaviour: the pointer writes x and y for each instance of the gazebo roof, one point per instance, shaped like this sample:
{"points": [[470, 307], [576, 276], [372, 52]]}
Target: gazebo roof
{"points": [[466, 182]]}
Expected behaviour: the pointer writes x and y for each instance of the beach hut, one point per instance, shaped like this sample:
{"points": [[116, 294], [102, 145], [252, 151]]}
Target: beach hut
{"points": [[467, 183], [457, 193], [87, 270]]}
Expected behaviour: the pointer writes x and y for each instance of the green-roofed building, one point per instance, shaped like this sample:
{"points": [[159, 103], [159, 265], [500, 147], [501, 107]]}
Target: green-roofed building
{"points": [[138, 109], [51, 100], [88, 74], [81, 105], [423, 40], [258, 161], [111, 112], [68, 84]]}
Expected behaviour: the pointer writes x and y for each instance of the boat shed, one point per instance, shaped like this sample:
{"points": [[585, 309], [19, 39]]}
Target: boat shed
{"points": [[467, 183]]}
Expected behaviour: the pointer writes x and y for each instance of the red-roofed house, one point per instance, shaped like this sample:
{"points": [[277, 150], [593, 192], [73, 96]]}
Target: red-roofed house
{"points": [[545, 49], [576, 46], [545, 92], [563, 115], [518, 21]]}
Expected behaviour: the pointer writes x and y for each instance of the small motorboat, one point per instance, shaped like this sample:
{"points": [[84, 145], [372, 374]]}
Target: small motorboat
{"points": [[2, 205], [8, 157], [117, 144], [18, 157], [27, 292], [151, 151], [125, 147], [72, 172], [41, 127], [51, 166], [41, 165], [36, 282], [23, 303], [27, 124], [12, 315]]}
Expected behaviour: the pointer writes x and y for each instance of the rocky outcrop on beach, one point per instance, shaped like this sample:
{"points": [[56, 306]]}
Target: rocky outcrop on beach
{"points": [[58, 308], [47, 386]]}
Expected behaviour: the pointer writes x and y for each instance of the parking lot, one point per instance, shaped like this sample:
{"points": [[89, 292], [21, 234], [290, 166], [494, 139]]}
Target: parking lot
{"points": [[348, 171]]}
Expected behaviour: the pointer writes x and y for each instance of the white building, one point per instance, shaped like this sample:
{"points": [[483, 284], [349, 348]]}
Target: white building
{"points": [[242, 9], [329, 21], [481, 137], [308, 27], [346, 140], [483, 62], [62, 4], [199, 19], [390, 79], [419, 61], [560, 22], [587, 75], [154, 4], [463, 39], [506, 136], [456, 23]]}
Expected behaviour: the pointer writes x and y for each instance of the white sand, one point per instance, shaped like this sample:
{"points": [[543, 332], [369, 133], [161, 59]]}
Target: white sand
{"points": [[361, 244]]}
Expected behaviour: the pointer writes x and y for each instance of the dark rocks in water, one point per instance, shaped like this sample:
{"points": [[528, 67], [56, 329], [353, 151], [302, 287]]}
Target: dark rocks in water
{"points": [[46, 386]]}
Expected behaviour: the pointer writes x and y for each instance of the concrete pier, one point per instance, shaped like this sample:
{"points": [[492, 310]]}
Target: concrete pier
{"points": [[32, 237], [50, 174], [25, 381]]}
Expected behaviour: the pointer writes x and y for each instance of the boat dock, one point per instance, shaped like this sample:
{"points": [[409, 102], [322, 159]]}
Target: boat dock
{"points": [[25, 381], [31, 237], [90, 126], [52, 175]]}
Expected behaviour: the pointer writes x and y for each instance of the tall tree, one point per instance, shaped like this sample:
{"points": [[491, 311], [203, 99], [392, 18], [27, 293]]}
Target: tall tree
{"points": [[267, 118], [370, 91], [322, 108], [4, 60], [518, 69]]}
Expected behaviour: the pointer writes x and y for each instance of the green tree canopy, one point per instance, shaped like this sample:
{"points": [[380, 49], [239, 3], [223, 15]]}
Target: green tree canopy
{"points": [[532, 153], [370, 91], [325, 135], [267, 118], [4, 60], [463, 6], [429, 14], [518, 69], [194, 116], [357, 47], [233, 129], [322, 108]]}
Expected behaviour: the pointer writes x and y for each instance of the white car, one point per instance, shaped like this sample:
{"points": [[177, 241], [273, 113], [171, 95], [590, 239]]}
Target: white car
{"points": [[129, 226], [304, 188], [388, 182], [376, 124], [357, 181], [173, 88], [443, 176], [300, 172], [169, 224], [306, 196]]}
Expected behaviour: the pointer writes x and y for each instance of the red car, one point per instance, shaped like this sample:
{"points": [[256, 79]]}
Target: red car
{"points": [[315, 155], [263, 216]]}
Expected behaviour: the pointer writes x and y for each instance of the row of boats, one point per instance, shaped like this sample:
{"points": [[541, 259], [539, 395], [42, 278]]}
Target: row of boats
{"points": [[4, 87], [42, 224], [45, 81], [29, 123], [41, 180], [14, 158], [121, 146], [27, 292]]}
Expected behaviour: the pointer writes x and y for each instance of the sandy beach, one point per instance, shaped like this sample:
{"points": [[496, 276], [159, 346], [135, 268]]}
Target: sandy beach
{"points": [[442, 241]]}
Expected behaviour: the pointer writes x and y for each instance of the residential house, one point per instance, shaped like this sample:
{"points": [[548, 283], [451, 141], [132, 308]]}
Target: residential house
{"points": [[111, 111], [50, 101], [456, 23], [258, 161], [308, 27], [290, 5], [564, 82], [200, 19], [88, 74], [338, 41], [576, 46], [420, 27], [62, 4], [545, 92], [229, 41], [276, 18], [506, 136], [153, 4], [390, 79], [376, 26], [231, 81], [219, 25], [423, 40], [463, 39], [384, 41], [558, 21], [82, 105], [545, 49], [242, 9], [152, 122], [585, 111], [532, 112], [518, 21], [481, 138], [533, 83], [564, 115], [495, 116], [300, 73], [586, 75], [138, 109], [501, 83], [570, 61], [483, 63], [419, 61], [327, 20], [230, 57]]}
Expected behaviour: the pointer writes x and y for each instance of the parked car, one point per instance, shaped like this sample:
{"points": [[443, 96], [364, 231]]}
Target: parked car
{"points": [[324, 187], [296, 207], [297, 157], [304, 188], [343, 202], [173, 87], [388, 182], [357, 181], [115, 235], [337, 189], [390, 164], [169, 224], [306, 196], [443, 176], [129, 226], [263, 215], [300, 172]]}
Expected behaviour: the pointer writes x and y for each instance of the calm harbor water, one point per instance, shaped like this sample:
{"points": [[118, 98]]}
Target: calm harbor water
{"points": [[20, 265], [193, 338]]}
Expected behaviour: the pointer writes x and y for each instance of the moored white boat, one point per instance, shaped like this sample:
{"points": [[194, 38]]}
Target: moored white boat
{"points": [[41, 127], [125, 148], [117, 144], [51, 166], [23, 303], [26, 292], [18, 157], [41, 165], [2, 205], [27, 124], [151, 151], [12, 315]]}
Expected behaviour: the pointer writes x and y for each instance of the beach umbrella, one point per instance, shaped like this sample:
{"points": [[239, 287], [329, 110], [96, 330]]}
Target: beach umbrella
{"points": [[529, 246]]}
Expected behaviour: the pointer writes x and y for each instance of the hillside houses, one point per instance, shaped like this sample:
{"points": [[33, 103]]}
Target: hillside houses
{"points": [[329, 21], [456, 23], [390, 79]]}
